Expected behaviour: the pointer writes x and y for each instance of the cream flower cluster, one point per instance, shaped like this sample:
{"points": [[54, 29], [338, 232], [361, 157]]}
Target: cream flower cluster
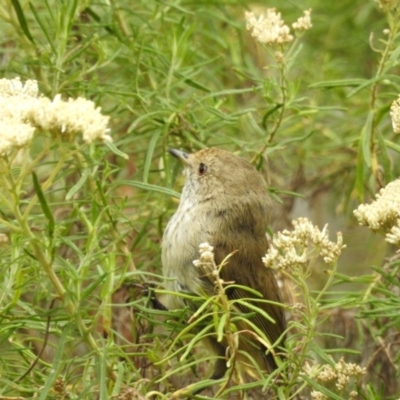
{"points": [[271, 29], [303, 23], [70, 118], [206, 263], [340, 374], [395, 115], [23, 110], [293, 248], [383, 214], [14, 134]]}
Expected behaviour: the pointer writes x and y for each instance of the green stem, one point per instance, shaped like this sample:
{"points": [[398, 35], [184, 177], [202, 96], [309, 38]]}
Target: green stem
{"points": [[282, 108], [393, 31], [49, 181], [38, 251]]}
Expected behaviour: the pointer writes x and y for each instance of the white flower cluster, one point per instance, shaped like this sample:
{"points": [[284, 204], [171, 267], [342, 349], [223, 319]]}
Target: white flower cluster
{"points": [[383, 214], [268, 29], [303, 23], [70, 118], [341, 374], [315, 395], [395, 115], [206, 262], [15, 130], [14, 87], [292, 248], [271, 29], [23, 110], [14, 134]]}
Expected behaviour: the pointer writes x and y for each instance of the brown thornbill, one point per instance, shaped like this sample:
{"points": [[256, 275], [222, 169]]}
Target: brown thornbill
{"points": [[224, 202]]}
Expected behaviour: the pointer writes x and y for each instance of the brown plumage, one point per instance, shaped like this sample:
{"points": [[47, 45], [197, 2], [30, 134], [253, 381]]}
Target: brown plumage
{"points": [[224, 202]]}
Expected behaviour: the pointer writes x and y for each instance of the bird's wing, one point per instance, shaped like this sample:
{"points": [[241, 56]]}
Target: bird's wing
{"points": [[248, 270]]}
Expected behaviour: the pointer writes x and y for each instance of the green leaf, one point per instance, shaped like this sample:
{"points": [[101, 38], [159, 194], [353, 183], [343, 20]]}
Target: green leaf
{"points": [[321, 388], [101, 369], [89, 11], [246, 303], [393, 146], [337, 83], [78, 185], [366, 138], [365, 84], [44, 27], [150, 188], [43, 204], [57, 364], [191, 83], [111, 146], [231, 92], [275, 108], [387, 166], [149, 155], [359, 183], [21, 19], [364, 155], [221, 327]]}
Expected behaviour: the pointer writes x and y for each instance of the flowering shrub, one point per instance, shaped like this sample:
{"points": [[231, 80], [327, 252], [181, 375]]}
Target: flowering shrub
{"points": [[310, 98]]}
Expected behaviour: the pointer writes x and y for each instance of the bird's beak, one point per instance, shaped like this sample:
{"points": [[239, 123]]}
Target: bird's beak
{"points": [[180, 155]]}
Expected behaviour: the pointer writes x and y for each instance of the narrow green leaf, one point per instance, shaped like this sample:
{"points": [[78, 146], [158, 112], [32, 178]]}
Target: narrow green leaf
{"points": [[143, 232], [43, 204], [44, 27], [385, 159], [97, 283], [364, 155], [365, 84], [111, 146], [101, 367], [221, 327], [231, 92], [70, 12], [150, 188], [191, 82], [220, 114], [366, 138], [285, 142], [393, 146], [78, 185], [21, 19], [58, 363], [256, 309], [89, 11], [359, 181], [270, 112], [149, 155], [29, 254], [337, 83], [322, 389], [200, 335], [157, 116]]}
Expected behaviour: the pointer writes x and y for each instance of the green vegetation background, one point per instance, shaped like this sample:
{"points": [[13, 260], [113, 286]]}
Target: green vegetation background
{"points": [[186, 74]]}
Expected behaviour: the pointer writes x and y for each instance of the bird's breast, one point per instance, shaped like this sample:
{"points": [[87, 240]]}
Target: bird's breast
{"points": [[180, 247]]}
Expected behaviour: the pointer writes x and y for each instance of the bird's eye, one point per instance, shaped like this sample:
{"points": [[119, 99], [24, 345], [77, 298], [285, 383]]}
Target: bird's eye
{"points": [[202, 169]]}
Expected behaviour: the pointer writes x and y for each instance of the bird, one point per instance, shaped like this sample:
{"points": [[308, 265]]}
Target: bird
{"points": [[225, 203]]}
